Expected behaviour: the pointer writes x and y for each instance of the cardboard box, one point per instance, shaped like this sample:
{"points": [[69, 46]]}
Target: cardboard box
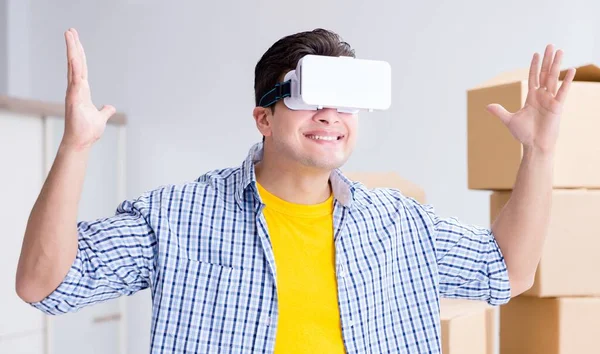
{"points": [[570, 260], [468, 327], [388, 180], [531, 325], [494, 155]]}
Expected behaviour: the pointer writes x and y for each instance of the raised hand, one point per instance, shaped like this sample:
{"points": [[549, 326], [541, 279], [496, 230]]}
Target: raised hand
{"points": [[84, 123], [536, 125]]}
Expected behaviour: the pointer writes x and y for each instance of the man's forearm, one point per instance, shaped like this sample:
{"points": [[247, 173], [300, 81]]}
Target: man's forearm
{"points": [[50, 242], [521, 227]]}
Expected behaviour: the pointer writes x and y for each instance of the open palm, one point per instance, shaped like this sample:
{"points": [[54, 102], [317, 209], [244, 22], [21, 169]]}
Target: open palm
{"points": [[537, 123], [84, 123]]}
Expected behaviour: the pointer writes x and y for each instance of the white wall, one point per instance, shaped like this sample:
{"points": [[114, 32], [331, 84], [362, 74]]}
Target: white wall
{"points": [[3, 47], [17, 40], [170, 66], [14, 47]]}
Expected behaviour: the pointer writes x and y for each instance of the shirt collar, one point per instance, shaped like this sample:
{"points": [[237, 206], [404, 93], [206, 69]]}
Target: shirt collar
{"points": [[344, 190]]}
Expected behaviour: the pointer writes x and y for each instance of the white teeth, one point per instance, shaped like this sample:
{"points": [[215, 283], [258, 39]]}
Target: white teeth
{"points": [[318, 137]]}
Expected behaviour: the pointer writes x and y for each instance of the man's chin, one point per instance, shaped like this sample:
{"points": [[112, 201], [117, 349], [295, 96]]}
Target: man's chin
{"points": [[325, 164]]}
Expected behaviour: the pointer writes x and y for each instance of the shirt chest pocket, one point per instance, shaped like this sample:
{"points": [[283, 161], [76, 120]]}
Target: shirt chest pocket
{"points": [[221, 243]]}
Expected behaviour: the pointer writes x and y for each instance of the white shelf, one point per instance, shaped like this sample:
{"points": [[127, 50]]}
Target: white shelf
{"points": [[28, 147]]}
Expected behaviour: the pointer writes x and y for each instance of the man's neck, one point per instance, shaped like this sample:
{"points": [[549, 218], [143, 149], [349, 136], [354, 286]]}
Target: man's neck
{"points": [[301, 187]]}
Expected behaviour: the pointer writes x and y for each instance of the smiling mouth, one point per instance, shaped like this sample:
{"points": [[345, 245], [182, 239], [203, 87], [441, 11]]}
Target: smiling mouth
{"points": [[324, 137]]}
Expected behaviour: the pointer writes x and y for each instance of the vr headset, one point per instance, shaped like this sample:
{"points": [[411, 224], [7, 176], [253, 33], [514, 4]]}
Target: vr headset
{"points": [[344, 83]]}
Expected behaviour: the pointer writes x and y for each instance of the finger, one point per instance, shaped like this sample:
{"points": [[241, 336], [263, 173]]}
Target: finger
{"points": [[548, 54], [552, 81], [84, 61], [533, 72], [69, 73], [566, 84], [70, 54], [107, 111], [75, 71], [500, 112], [84, 71], [75, 57]]}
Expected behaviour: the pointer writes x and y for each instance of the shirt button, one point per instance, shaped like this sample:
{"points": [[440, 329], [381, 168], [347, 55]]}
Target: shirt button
{"points": [[342, 272], [267, 320], [350, 323]]}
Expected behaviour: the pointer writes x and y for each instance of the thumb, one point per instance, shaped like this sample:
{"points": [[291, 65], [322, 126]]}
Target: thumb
{"points": [[500, 112], [107, 111]]}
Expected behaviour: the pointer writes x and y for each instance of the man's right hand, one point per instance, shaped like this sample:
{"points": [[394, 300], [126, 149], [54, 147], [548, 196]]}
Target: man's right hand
{"points": [[50, 243], [84, 123]]}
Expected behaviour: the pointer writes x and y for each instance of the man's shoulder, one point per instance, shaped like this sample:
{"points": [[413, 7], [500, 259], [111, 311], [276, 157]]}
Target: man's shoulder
{"points": [[387, 200], [222, 181], [218, 182], [392, 210]]}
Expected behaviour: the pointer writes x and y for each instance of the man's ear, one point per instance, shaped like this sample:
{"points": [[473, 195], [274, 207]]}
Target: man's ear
{"points": [[263, 117]]}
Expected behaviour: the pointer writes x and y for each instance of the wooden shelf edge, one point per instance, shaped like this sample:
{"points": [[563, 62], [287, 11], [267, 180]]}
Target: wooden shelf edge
{"points": [[45, 109]]}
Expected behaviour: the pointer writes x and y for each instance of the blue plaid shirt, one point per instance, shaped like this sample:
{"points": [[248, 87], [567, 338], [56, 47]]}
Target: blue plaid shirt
{"points": [[203, 249]]}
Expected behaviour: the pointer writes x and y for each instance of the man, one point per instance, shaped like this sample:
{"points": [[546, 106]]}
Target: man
{"points": [[284, 253]]}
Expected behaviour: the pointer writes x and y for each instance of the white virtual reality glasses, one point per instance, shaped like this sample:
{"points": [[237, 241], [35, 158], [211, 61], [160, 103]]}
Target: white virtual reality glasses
{"points": [[344, 83]]}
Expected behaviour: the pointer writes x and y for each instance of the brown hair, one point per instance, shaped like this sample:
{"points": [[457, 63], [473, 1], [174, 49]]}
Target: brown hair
{"points": [[284, 55]]}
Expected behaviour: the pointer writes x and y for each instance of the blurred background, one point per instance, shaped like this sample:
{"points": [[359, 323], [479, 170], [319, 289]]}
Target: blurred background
{"points": [[182, 72]]}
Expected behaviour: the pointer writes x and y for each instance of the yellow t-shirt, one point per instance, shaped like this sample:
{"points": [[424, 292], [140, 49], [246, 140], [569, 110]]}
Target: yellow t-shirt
{"points": [[302, 239]]}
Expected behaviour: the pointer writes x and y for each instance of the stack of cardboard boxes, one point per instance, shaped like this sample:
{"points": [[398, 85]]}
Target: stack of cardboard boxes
{"points": [[467, 327], [560, 314]]}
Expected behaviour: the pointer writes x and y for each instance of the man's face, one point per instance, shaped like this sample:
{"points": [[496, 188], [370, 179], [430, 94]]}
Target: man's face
{"points": [[322, 139]]}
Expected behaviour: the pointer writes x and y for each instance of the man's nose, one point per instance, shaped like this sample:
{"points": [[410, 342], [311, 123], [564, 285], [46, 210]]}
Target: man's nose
{"points": [[327, 116]]}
